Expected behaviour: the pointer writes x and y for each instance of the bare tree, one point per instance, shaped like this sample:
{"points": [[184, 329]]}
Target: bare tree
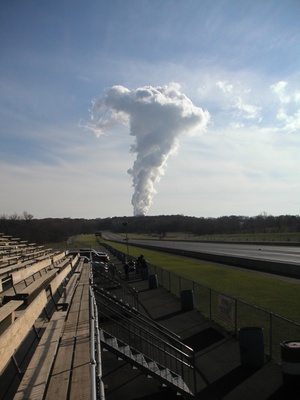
{"points": [[27, 216]]}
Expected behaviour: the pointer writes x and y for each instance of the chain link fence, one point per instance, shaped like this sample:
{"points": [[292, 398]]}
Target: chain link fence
{"points": [[231, 313]]}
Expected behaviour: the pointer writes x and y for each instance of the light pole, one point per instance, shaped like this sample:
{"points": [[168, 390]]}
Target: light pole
{"points": [[125, 226]]}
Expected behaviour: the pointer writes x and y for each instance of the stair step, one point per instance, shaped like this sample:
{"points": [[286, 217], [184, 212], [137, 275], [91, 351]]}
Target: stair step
{"points": [[139, 357], [154, 368], [126, 350], [166, 373], [179, 382], [112, 342], [152, 365]]}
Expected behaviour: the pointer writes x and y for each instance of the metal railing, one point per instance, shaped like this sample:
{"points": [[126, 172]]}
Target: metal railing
{"points": [[153, 343], [96, 383], [114, 283], [143, 319]]}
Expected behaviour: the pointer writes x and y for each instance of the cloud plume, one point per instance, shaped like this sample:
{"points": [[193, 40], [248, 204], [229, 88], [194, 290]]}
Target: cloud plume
{"points": [[157, 116]]}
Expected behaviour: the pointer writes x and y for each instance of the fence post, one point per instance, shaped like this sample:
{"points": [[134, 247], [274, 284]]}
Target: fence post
{"points": [[271, 335], [195, 375], [235, 316], [210, 303]]}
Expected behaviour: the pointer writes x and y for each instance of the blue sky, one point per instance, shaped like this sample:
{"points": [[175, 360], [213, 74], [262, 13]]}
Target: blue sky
{"points": [[238, 62]]}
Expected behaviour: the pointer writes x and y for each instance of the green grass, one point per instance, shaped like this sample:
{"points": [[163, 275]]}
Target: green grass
{"points": [[75, 242], [84, 241]]}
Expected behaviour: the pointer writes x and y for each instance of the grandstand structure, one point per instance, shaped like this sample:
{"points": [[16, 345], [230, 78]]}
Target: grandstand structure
{"points": [[74, 329]]}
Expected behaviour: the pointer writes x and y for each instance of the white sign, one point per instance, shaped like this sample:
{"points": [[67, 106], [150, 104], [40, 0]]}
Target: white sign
{"points": [[225, 305]]}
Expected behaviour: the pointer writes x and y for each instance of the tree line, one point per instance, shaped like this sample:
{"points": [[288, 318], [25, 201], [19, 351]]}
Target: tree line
{"points": [[52, 230]]}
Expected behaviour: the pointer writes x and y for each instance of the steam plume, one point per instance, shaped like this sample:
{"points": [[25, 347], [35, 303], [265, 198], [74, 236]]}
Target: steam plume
{"points": [[157, 116]]}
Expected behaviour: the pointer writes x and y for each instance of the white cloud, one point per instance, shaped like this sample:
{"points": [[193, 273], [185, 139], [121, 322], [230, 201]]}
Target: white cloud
{"points": [[225, 86], [279, 89], [291, 123], [297, 96], [247, 111], [237, 100], [288, 113], [245, 170]]}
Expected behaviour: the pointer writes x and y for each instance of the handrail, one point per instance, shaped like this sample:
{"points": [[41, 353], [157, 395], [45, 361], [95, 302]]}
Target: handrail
{"points": [[95, 353], [99, 358], [92, 349], [155, 335], [126, 290], [142, 317], [150, 345]]}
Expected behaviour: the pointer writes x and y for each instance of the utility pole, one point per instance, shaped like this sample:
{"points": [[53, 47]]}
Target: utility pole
{"points": [[125, 226]]}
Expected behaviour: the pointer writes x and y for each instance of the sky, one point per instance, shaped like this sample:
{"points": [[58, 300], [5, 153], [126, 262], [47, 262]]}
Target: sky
{"points": [[149, 107]]}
